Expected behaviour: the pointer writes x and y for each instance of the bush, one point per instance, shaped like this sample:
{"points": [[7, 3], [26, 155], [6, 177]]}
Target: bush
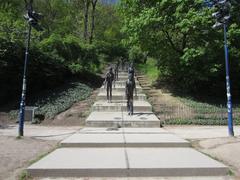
{"points": [[44, 71], [75, 55], [58, 101], [136, 55], [52, 102], [110, 51]]}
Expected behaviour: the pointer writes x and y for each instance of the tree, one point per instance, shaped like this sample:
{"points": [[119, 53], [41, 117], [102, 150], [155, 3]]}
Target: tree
{"points": [[94, 3], [179, 35], [86, 15]]}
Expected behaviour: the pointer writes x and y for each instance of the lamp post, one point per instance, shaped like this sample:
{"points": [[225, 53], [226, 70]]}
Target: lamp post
{"points": [[222, 18], [24, 85], [228, 87], [32, 18]]}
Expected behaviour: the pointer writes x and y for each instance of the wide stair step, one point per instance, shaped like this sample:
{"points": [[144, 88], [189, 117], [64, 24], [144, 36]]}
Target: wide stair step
{"points": [[124, 137], [139, 106], [126, 162], [123, 83], [119, 89], [124, 78], [122, 119], [120, 96]]}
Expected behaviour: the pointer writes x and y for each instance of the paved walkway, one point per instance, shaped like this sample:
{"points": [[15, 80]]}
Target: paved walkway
{"points": [[118, 145]]}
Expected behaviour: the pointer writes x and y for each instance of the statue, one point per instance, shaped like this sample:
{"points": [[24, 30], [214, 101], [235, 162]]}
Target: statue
{"points": [[109, 78], [131, 70], [130, 86], [116, 70], [123, 63]]}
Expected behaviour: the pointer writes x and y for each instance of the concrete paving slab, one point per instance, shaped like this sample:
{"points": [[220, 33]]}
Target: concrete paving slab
{"points": [[202, 132], [123, 83], [99, 130], [93, 130], [154, 140], [81, 162], [120, 96], [172, 162], [94, 140], [126, 162], [140, 116], [124, 140], [124, 78], [122, 119], [139, 106], [119, 88], [41, 132], [144, 130], [148, 178]]}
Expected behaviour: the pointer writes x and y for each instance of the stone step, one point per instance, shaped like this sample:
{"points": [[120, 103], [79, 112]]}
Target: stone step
{"points": [[108, 138], [126, 162], [120, 96], [124, 78], [118, 88], [122, 119], [139, 106], [123, 83]]}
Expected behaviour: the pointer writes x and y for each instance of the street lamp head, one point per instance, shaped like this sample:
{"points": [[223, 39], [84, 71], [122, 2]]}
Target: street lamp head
{"points": [[33, 18], [216, 15], [222, 15], [36, 16], [217, 25]]}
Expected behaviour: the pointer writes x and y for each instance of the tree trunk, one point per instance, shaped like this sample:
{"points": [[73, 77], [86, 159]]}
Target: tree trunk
{"points": [[86, 10], [94, 3]]}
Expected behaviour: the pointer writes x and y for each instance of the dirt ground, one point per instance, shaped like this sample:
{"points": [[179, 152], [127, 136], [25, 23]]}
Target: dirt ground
{"points": [[226, 150], [17, 154], [74, 116], [213, 141], [164, 104]]}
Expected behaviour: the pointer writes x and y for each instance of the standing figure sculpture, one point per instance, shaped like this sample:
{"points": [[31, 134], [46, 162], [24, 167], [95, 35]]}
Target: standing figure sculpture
{"points": [[130, 87], [123, 64], [131, 70], [116, 71], [109, 78]]}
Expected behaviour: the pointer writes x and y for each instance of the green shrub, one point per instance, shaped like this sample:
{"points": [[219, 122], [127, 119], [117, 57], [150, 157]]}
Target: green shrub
{"points": [[52, 102], [136, 55], [58, 101]]}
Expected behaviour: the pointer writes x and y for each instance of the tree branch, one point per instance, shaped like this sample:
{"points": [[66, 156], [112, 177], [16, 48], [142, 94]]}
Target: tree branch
{"points": [[184, 41], [94, 3], [171, 42]]}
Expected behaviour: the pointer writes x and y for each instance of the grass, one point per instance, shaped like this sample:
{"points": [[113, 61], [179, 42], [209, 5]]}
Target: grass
{"points": [[198, 113], [24, 175], [149, 69], [189, 111]]}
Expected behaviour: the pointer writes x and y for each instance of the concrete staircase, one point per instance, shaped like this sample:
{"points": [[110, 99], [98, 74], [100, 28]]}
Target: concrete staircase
{"points": [[115, 144]]}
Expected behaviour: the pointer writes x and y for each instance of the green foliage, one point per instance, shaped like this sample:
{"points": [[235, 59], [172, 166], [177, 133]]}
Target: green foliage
{"points": [[202, 113], [179, 35], [75, 55], [11, 26], [136, 55], [58, 101], [24, 175], [150, 69], [59, 52], [52, 102]]}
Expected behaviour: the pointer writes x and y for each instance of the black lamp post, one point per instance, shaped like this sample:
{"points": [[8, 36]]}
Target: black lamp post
{"points": [[32, 18]]}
